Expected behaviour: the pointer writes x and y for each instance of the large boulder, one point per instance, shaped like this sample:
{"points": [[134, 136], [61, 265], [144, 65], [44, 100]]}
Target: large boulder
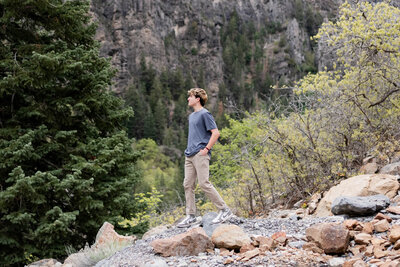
{"points": [[230, 236], [362, 185], [190, 243], [359, 206], [331, 237]]}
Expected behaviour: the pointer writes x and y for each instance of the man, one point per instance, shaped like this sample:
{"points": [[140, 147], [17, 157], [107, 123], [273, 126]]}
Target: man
{"points": [[203, 134]]}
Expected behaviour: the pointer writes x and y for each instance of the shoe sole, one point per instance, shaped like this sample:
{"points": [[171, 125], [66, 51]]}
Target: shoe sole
{"points": [[224, 220], [188, 225]]}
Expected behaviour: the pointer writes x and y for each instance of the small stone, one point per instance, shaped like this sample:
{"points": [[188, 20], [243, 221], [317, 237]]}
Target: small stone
{"points": [[381, 216], [368, 228], [360, 263], [356, 249], [246, 247], [394, 234], [393, 209], [311, 246], [377, 241], [252, 253], [350, 224], [336, 262], [381, 226], [229, 261], [350, 262], [390, 264], [224, 252], [278, 234], [396, 245], [379, 252], [374, 261], [369, 251], [363, 238]]}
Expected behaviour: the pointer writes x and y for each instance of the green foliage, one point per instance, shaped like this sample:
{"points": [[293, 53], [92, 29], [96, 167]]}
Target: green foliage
{"points": [[149, 206], [159, 172], [66, 165]]}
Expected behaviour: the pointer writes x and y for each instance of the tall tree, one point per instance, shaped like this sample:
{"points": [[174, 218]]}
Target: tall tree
{"points": [[66, 165]]}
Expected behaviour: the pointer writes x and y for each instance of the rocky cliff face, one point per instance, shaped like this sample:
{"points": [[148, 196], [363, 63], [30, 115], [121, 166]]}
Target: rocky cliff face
{"points": [[185, 34]]}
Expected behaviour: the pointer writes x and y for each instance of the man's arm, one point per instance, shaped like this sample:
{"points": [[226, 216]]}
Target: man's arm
{"points": [[213, 139]]}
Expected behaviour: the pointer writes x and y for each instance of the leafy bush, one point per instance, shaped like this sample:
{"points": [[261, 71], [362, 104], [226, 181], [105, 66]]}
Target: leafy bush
{"points": [[334, 119]]}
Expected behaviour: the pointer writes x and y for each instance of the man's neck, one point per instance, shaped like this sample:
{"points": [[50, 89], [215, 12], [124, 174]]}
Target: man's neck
{"points": [[197, 107]]}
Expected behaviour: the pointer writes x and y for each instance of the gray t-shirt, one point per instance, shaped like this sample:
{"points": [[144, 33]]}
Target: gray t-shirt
{"points": [[200, 125]]}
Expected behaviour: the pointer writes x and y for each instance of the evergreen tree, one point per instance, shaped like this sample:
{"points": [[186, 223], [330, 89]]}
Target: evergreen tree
{"points": [[135, 98], [66, 165]]}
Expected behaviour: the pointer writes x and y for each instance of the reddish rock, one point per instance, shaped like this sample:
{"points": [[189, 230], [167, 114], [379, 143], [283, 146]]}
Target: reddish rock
{"points": [[350, 224], [350, 262], [191, 242], [377, 241], [380, 252], [375, 261], [278, 234], [381, 216], [357, 249], [394, 234], [369, 251], [246, 247], [331, 237], [360, 263], [363, 238], [368, 228], [381, 226], [263, 240], [225, 252], [229, 261], [396, 245], [311, 246], [390, 263], [251, 254], [393, 209]]}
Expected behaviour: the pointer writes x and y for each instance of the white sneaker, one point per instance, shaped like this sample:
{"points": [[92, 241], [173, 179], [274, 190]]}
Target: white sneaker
{"points": [[222, 216], [188, 221]]}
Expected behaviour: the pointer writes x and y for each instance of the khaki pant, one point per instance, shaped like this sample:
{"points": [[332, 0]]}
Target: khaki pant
{"points": [[198, 166]]}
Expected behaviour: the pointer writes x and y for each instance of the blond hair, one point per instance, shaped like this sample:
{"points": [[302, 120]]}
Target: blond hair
{"points": [[200, 93]]}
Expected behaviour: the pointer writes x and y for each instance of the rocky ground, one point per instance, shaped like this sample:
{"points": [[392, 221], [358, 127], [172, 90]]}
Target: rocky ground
{"points": [[142, 254]]}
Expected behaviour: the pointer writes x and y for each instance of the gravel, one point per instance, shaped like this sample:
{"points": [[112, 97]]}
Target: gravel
{"points": [[141, 253]]}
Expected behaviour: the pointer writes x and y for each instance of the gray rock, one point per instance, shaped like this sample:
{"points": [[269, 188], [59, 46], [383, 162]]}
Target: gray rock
{"points": [[296, 244], [206, 223], [359, 206], [393, 169], [294, 217]]}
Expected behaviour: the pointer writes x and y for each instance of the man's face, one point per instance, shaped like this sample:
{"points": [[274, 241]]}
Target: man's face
{"points": [[192, 100]]}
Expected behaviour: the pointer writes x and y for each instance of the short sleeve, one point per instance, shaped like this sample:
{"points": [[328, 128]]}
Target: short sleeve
{"points": [[209, 121]]}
